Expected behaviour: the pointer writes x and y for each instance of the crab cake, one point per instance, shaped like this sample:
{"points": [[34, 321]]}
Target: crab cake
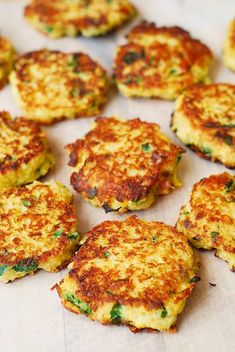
{"points": [[229, 46], [124, 165], [204, 120], [90, 18], [160, 62], [133, 272], [208, 220], [52, 85], [7, 57], [38, 229], [24, 151]]}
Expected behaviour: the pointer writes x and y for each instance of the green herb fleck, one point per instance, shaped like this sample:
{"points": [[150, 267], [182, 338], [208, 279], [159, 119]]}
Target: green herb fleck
{"points": [[138, 79], [58, 233], [195, 279], [186, 212], [106, 254], [154, 239], [146, 147], [173, 71], [26, 202], [230, 186], [92, 192], [72, 61], [229, 125], [2, 269], [107, 208], [128, 80], [75, 92], [73, 235], [28, 264], [115, 313], [164, 313], [48, 29], [214, 234], [207, 151], [179, 157], [228, 140], [132, 56], [83, 306]]}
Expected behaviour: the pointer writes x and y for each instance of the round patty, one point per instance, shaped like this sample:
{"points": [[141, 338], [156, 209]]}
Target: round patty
{"points": [[160, 62], [90, 18], [208, 220], [204, 120], [7, 57], [124, 165], [38, 228], [229, 46], [133, 272], [52, 85], [24, 151]]}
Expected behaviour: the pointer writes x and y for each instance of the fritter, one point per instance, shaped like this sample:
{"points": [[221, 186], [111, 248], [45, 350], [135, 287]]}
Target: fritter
{"points": [[24, 151], [229, 46], [7, 57], [133, 272], [52, 85], [124, 165], [89, 18], [160, 62], [38, 229], [204, 120], [208, 220]]}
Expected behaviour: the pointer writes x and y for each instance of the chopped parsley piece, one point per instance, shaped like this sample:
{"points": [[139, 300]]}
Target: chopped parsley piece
{"points": [[2, 269], [228, 140], [106, 254], [154, 239], [72, 61], [164, 313], [107, 208], [195, 279], [28, 264], [58, 233], [207, 151], [179, 157], [49, 29], [186, 212], [173, 71], [115, 313], [230, 185], [146, 147], [26, 202], [138, 79], [83, 306], [214, 234], [73, 235], [75, 92], [132, 56], [92, 192]]}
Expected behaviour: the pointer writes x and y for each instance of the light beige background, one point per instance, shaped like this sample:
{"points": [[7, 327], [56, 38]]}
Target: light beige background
{"points": [[31, 317]]}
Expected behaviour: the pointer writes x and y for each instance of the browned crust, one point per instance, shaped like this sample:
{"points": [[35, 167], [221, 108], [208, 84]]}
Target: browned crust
{"points": [[191, 52], [209, 193], [67, 219], [211, 126], [96, 286], [37, 143], [53, 13], [113, 181]]}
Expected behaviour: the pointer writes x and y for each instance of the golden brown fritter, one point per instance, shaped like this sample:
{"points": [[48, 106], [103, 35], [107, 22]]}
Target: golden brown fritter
{"points": [[123, 165], [24, 151], [204, 120], [208, 220], [229, 46], [38, 229], [52, 85], [133, 272], [90, 18], [7, 57], [160, 62]]}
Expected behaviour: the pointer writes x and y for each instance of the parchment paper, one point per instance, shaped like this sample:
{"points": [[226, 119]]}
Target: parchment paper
{"points": [[32, 318]]}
